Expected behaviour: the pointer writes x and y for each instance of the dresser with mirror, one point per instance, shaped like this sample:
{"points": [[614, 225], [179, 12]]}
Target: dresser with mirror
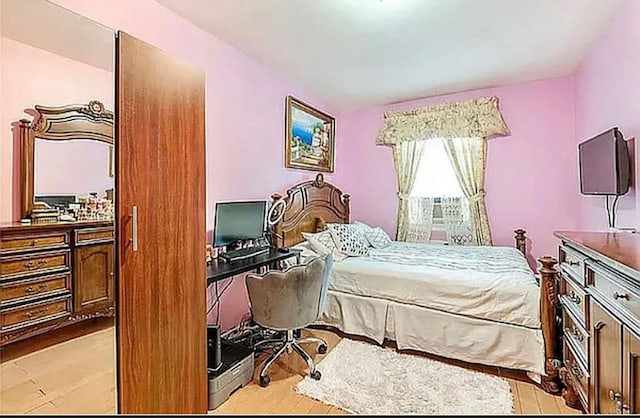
{"points": [[57, 263]]}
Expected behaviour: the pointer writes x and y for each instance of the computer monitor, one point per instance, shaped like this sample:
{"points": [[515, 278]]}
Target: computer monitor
{"points": [[236, 221], [56, 200]]}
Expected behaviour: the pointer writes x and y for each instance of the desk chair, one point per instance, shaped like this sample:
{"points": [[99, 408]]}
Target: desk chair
{"points": [[287, 301]]}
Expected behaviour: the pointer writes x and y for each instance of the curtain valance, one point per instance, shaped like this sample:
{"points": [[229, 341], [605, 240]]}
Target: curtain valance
{"points": [[475, 118]]}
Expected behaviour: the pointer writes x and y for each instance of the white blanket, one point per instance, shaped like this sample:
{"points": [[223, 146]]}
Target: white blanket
{"points": [[492, 283]]}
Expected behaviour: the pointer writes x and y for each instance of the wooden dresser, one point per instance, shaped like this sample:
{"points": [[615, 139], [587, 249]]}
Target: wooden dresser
{"points": [[53, 275], [599, 309]]}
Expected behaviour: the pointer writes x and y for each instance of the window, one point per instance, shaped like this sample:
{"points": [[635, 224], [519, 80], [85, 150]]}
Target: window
{"points": [[435, 177], [438, 210]]}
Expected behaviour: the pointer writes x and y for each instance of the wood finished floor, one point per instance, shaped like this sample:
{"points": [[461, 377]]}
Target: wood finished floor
{"points": [[280, 396], [73, 373], [70, 371]]}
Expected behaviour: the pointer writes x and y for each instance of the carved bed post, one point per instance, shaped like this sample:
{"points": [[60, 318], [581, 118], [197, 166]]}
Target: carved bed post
{"points": [[521, 241], [548, 304]]}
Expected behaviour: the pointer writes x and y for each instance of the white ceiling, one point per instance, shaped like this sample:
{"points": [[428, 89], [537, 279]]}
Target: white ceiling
{"points": [[357, 53]]}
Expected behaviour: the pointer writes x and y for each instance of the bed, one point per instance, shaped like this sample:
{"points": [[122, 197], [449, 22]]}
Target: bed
{"points": [[476, 304]]}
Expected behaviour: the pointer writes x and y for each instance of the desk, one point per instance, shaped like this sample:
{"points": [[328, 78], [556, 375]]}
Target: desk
{"points": [[220, 270]]}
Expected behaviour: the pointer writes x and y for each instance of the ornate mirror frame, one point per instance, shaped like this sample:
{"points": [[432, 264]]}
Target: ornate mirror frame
{"points": [[65, 123]]}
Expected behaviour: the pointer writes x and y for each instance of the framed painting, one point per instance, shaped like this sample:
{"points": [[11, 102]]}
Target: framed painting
{"points": [[309, 138]]}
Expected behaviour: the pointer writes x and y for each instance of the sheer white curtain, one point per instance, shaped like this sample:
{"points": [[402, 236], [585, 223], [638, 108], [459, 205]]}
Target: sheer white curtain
{"points": [[437, 185], [420, 218], [457, 220]]}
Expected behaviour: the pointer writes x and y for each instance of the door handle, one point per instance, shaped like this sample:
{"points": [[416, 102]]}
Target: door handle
{"points": [[134, 222]]}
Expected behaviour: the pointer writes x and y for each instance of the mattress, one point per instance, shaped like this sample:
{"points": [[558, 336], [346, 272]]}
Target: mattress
{"points": [[490, 283]]}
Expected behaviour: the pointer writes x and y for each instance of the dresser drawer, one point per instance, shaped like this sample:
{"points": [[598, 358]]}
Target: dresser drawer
{"points": [[575, 335], [35, 263], [34, 241], [572, 263], [573, 296], [578, 375], [35, 288], [94, 235], [35, 313], [616, 292]]}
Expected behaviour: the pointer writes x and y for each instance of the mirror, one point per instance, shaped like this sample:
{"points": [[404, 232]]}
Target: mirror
{"points": [[66, 154], [65, 174], [57, 316]]}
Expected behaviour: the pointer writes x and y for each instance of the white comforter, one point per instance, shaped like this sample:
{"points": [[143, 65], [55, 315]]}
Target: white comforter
{"points": [[493, 283]]}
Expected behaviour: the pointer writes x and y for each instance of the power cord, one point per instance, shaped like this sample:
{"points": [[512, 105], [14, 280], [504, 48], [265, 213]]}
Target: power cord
{"points": [[611, 210], [216, 302]]}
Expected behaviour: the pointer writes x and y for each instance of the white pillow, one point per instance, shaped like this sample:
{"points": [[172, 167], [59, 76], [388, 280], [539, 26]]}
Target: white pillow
{"points": [[349, 239], [322, 243], [376, 236], [363, 227]]}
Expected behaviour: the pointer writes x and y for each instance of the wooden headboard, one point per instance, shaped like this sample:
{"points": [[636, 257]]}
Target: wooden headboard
{"points": [[309, 204]]}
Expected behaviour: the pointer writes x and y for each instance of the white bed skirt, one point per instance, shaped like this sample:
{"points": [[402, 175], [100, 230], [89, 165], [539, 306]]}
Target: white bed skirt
{"points": [[448, 335]]}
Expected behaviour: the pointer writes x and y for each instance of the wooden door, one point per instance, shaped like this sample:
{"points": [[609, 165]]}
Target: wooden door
{"points": [[93, 277], [606, 364], [160, 149], [631, 368]]}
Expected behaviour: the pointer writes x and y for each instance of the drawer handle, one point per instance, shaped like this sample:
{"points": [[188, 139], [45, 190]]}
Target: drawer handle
{"points": [[573, 263], [32, 243], [617, 296], [575, 332], [31, 314], [29, 265], [29, 290], [574, 298], [577, 371], [43, 287], [614, 396]]}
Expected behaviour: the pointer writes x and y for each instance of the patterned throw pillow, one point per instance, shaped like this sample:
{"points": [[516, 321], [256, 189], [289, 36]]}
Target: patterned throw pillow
{"points": [[376, 237], [322, 243], [349, 239]]}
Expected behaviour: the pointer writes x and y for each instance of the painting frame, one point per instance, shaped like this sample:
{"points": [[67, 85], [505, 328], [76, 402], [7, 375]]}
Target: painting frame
{"points": [[314, 151]]}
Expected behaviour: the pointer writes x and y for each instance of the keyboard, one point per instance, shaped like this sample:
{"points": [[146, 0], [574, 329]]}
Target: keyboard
{"points": [[243, 253]]}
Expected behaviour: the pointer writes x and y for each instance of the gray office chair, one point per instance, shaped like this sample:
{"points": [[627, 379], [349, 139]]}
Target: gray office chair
{"points": [[288, 301]]}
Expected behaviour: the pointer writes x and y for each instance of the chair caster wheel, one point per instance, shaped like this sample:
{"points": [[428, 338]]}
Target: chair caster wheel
{"points": [[264, 381], [322, 349], [315, 375]]}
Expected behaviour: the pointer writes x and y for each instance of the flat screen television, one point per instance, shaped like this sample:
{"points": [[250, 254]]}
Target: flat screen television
{"points": [[238, 221], [604, 164]]}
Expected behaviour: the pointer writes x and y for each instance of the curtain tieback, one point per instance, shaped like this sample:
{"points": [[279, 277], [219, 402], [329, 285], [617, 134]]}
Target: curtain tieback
{"points": [[477, 197], [403, 196]]}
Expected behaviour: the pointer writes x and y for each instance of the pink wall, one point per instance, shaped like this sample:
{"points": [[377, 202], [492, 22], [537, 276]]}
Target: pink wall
{"points": [[33, 76], [531, 178], [607, 93], [245, 111]]}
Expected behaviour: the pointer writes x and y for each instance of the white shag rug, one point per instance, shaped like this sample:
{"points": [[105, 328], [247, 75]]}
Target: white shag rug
{"points": [[366, 379]]}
